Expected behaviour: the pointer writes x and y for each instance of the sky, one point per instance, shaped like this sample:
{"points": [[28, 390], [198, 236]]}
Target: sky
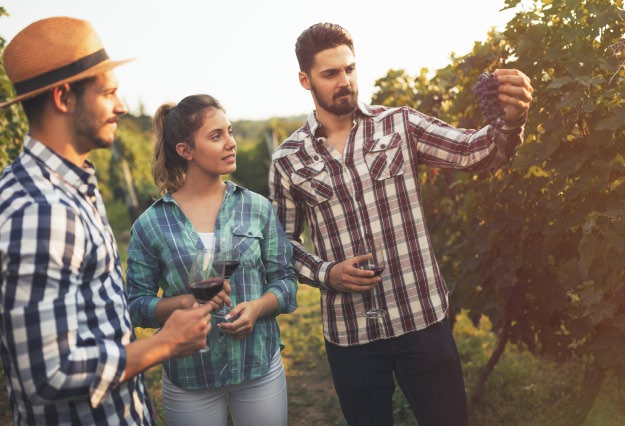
{"points": [[243, 51]]}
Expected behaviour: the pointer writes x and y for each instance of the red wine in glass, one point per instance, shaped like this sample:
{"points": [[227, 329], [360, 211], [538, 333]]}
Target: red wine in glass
{"points": [[206, 278], [377, 270], [205, 290], [230, 266], [374, 262], [228, 250]]}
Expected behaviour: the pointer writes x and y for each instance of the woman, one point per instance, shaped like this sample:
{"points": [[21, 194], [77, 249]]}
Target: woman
{"points": [[243, 369]]}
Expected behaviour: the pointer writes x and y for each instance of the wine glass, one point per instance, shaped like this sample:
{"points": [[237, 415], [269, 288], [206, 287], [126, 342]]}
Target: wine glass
{"points": [[374, 262], [206, 278], [228, 253]]}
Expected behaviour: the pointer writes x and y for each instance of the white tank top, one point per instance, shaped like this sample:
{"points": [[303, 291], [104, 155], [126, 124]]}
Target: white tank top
{"points": [[208, 238]]}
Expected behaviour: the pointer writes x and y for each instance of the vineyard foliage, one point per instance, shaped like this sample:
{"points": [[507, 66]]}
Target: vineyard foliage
{"points": [[539, 245]]}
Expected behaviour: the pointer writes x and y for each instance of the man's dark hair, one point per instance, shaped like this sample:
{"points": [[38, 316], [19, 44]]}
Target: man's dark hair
{"points": [[33, 107], [317, 38]]}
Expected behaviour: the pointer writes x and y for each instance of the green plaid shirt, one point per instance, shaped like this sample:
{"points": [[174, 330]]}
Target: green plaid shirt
{"points": [[162, 244]]}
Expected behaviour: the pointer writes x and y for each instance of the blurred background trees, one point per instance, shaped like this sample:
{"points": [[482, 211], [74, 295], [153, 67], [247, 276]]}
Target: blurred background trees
{"points": [[538, 246]]}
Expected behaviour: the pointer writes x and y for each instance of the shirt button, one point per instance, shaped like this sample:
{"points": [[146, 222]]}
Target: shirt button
{"points": [[383, 146], [316, 158], [249, 233]]}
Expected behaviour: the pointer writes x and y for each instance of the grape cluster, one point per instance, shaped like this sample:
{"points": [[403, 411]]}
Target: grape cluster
{"points": [[487, 91]]}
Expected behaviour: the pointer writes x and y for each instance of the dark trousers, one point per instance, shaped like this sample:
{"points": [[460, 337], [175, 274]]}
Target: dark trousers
{"points": [[426, 365]]}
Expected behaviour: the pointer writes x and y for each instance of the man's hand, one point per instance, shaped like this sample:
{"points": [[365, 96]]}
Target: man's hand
{"points": [[185, 330], [347, 277], [515, 93]]}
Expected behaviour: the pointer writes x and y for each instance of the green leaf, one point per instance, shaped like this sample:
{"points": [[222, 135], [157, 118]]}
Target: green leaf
{"points": [[559, 82], [615, 121]]}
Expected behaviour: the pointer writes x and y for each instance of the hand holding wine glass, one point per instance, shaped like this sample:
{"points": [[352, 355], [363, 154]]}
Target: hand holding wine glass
{"points": [[228, 253], [206, 277], [372, 260], [187, 330]]}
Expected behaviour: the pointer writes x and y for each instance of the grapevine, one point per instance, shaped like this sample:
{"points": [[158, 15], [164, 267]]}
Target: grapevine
{"points": [[487, 91]]}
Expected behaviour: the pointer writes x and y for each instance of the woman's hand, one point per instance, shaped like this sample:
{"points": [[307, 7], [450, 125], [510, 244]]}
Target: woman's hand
{"points": [[223, 297], [246, 314]]}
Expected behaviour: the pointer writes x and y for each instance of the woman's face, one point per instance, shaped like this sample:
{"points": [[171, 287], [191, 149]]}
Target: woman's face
{"points": [[215, 149]]}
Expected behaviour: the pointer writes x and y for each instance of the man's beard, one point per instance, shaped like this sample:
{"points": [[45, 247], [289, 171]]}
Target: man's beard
{"points": [[86, 129], [343, 108]]}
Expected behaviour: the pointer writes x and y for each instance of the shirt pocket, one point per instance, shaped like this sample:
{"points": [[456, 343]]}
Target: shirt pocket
{"points": [[384, 157], [249, 239], [313, 183]]}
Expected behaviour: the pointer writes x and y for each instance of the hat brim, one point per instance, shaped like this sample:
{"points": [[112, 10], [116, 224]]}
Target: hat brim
{"points": [[97, 69]]}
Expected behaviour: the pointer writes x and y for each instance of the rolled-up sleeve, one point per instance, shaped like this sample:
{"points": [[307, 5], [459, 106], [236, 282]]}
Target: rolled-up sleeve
{"points": [[441, 145], [56, 355], [142, 279], [311, 269], [277, 253]]}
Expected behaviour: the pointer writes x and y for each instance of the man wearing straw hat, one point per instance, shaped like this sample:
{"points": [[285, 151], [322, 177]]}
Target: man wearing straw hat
{"points": [[67, 343]]}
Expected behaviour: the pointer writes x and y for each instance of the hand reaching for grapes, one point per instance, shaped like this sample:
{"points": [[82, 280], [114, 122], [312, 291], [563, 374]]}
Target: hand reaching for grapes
{"points": [[515, 94]]}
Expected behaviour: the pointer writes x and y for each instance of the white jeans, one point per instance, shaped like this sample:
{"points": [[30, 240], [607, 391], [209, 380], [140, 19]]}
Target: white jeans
{"points": [[257, 402]]}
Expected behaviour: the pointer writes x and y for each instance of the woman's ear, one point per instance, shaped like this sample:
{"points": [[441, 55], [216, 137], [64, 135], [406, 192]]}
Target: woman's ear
{"points": [[184, 150]]}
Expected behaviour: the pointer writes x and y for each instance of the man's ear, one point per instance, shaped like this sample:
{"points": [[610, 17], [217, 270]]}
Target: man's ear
{"points": [[184, 150], [63, 98], [304, 80]]}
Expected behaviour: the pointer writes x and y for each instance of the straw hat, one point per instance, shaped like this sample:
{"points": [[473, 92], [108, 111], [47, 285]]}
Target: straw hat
{"points": [[51, 52]]}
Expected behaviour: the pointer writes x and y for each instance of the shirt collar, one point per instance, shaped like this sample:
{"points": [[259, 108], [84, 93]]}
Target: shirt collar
{"points": [[83, 179], [316, 129], [230, 188]]}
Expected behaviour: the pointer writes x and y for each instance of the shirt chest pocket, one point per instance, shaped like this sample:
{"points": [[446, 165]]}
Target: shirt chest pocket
{"points": [[384, 157], [248, 239], [313, 183]]}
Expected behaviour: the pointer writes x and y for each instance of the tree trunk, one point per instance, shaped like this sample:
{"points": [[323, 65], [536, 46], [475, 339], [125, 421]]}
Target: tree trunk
{"points": [[591, 386], [478, 392], [514, 304], [272, 141], [132, 201], [130, 192]]}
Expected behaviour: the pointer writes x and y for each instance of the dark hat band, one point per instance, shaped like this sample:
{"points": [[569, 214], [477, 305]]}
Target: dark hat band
{"points": [[62, 73]]}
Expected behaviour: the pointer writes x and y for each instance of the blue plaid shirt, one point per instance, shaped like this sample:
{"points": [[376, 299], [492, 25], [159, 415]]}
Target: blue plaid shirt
{"points": [[63, 315], [162, 244]]}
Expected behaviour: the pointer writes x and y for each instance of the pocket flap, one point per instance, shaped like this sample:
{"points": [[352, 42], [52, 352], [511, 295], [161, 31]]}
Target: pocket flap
{"points": [[308, 172], [382, 144], [247, 231]]}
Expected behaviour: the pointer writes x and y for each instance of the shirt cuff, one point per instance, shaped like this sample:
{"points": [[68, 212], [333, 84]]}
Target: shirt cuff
{"points": [[110, 371], [513, 125], [323, 276], [151, 313], [286, 303], [143, 314]]}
